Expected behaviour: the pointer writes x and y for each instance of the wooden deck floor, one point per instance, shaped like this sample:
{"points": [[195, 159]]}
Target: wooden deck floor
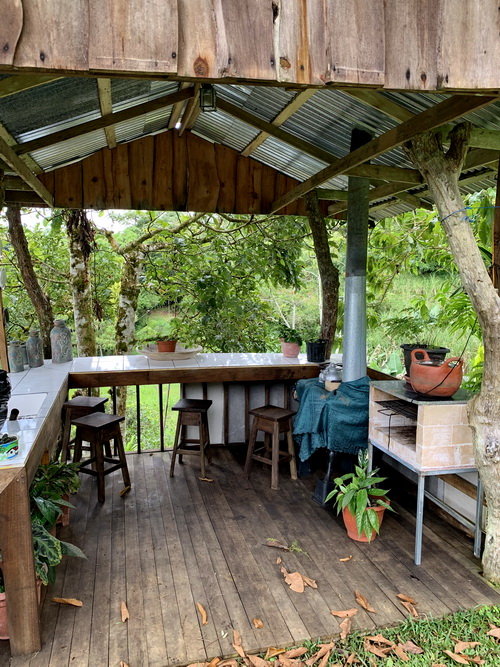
{"points": [[171, 543]]}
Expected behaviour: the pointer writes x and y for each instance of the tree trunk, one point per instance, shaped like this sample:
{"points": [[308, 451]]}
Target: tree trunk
{"points": [[441, 172], [40, 300], [80, 236], [328, 272], [2, 189]]}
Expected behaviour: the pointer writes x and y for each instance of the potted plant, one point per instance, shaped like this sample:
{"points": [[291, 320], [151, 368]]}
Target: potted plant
{"points": [[291, 341], [51, 488], [361, 502], [164, 333]]}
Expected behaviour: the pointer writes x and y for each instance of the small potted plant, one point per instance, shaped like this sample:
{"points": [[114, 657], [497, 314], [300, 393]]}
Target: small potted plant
{"points": [[164, 333], [55, 482], [362, 504], [291, 340]]}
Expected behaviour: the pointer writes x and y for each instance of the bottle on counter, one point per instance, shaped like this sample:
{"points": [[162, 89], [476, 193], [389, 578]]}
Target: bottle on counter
{"points": [[34, 349], [15, 355], [60, 342]]}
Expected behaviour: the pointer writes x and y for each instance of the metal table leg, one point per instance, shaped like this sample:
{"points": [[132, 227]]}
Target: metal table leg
{"points": [[420, 519], [479, 519]]}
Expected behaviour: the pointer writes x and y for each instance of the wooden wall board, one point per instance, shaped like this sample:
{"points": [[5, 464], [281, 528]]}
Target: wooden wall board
{"points": [[68, 186], [94, 183], [162, 172], [226, 161], [141, 162], [180, 173], [10, 30], [203, 182]]}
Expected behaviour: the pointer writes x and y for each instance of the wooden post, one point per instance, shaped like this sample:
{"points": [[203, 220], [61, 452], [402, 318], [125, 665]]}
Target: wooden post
{"points": [[4, 359], [495, 241]]}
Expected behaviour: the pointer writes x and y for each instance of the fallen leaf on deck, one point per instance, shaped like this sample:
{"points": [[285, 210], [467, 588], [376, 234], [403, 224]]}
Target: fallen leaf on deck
{"points": [[194, 664], [205, 479], [494, 632], [363, 602], [203, 613], [309, 582], [380, 639], [406, 598], [237, 644], [323, 650], [123, 664], [408, 606], [460, 647], [257, 662], [277, 545], [228, 663], [273, 652], [344, 613], [410, 647], [214, 662], [375, 649], [294, 580], [462, 660], [344, 560], [278, 560], [257, 623], [345, 628], [125, 490], [398, 650], [288, 662], [124, 612], [295, 652], [71, 601], [324, 659]]}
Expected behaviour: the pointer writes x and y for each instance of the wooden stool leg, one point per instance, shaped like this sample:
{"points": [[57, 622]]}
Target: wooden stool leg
{"points": [[251, 447], [176, 444], [121, 455], [97, 450], [275, 457], [291, 451], [202, 438], [206, 439], [182, 440], [78, 447], [66, 436]]}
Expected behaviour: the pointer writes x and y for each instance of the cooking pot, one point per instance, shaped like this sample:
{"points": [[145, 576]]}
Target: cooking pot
{"points": [[432, 378]]}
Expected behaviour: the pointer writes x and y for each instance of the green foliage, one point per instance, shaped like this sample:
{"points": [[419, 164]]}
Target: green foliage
{"points": [[288, 334], [160, 328], [357, 491], [48, 552], [55, 479]]}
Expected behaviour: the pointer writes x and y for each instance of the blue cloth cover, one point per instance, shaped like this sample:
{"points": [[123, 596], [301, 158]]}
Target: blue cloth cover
{"points": [[336, 419]]}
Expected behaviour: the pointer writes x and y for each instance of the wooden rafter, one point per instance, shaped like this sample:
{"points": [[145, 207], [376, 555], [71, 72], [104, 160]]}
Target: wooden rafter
{"points": [[177, 108], [300, 99], [372, 171], [10, 141], [442, 113], [106, 105], [191, 111], [16, 84], [20, 167], [15, 183], [99, 123]]}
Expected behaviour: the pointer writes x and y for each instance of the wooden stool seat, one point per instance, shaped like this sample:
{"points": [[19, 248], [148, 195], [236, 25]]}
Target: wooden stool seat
{"points": [[77, 407], [273, 421], [99, 429], [192, 412]]}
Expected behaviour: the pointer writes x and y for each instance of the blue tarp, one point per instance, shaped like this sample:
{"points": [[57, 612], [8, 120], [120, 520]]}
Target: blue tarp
{"points": [[337, 420]]}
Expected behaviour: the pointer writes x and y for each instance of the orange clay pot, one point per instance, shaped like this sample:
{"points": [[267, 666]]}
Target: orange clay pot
{"points": [[429, 379], [290, 349], [166, 345], [350, 523]]}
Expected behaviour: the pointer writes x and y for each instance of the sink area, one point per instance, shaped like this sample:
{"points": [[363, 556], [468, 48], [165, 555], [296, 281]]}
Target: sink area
{"points": [[27, 404]]}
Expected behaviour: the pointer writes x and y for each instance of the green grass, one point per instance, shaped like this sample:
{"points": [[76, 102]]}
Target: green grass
{"points": [[434, 636], [150, 417]]}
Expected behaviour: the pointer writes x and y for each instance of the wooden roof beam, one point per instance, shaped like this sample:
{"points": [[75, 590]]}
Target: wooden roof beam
{"points": [[106, 121], [442, 113], [16, 84], [177, 108], [106, 105], [20, 167], [191, 111], [287, 111]]}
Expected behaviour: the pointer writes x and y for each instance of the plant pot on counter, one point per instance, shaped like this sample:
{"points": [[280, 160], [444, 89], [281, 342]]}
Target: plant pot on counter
{"points": [[430, 378], [289, 349], [435, 353], [166, 345], [316, 350]]}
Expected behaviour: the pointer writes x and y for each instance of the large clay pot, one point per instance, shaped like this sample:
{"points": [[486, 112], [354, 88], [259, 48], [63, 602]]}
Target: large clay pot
{"points": [[290, 349], [350, 523], [431, 379]]}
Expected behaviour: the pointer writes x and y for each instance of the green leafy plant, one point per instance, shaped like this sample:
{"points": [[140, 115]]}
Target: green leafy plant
{"points": [[160, 329], [289, 335], [48, 552], [55, 480], [358, 493]]}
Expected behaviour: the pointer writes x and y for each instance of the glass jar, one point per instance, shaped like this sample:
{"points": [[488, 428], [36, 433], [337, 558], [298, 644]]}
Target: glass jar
{"points": [[60, 343], [34, 349]]}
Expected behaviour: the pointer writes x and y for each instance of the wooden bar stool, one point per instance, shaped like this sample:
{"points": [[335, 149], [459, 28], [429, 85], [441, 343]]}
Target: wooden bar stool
{"points": [[99, 429], [272, 421], [192, 412], [77, 407]]}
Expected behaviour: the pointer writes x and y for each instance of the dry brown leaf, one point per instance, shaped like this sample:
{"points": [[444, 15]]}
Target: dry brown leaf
{"points": [[295, 652], [372, 662], [203, 613], [288, 662], [344, 613], [460, 647], [410, 647], [352, 660], [312, 660], [194, 664], [410, 608], [375, 649], [295, 581], [273, 652], [308, 581], [363, 602], [214, 662], [277, 545], [437, 664], [380, 639], [278, 560], [345, 628], [344, 560], [324, 659], [228, 663], [406, 598], [237, 645], [257, 623], [494, 632], [124, 611], [123, 664], [71, 601], [125, 490], [461, 659], [477, 660], [256, 661], [398, 650], [205, 479], [323, 650]]}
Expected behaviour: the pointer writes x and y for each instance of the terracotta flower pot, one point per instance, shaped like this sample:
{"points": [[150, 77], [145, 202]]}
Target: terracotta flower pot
{"points": [[430, 379], [290, 349], [166, 345], [350, 523]]}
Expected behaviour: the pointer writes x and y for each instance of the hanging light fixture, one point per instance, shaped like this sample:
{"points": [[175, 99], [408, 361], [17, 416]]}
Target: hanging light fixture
{"points": [[208, 97]]}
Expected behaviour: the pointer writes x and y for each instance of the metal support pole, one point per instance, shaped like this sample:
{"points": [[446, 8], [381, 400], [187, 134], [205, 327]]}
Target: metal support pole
{"points": [[419, 523]]}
